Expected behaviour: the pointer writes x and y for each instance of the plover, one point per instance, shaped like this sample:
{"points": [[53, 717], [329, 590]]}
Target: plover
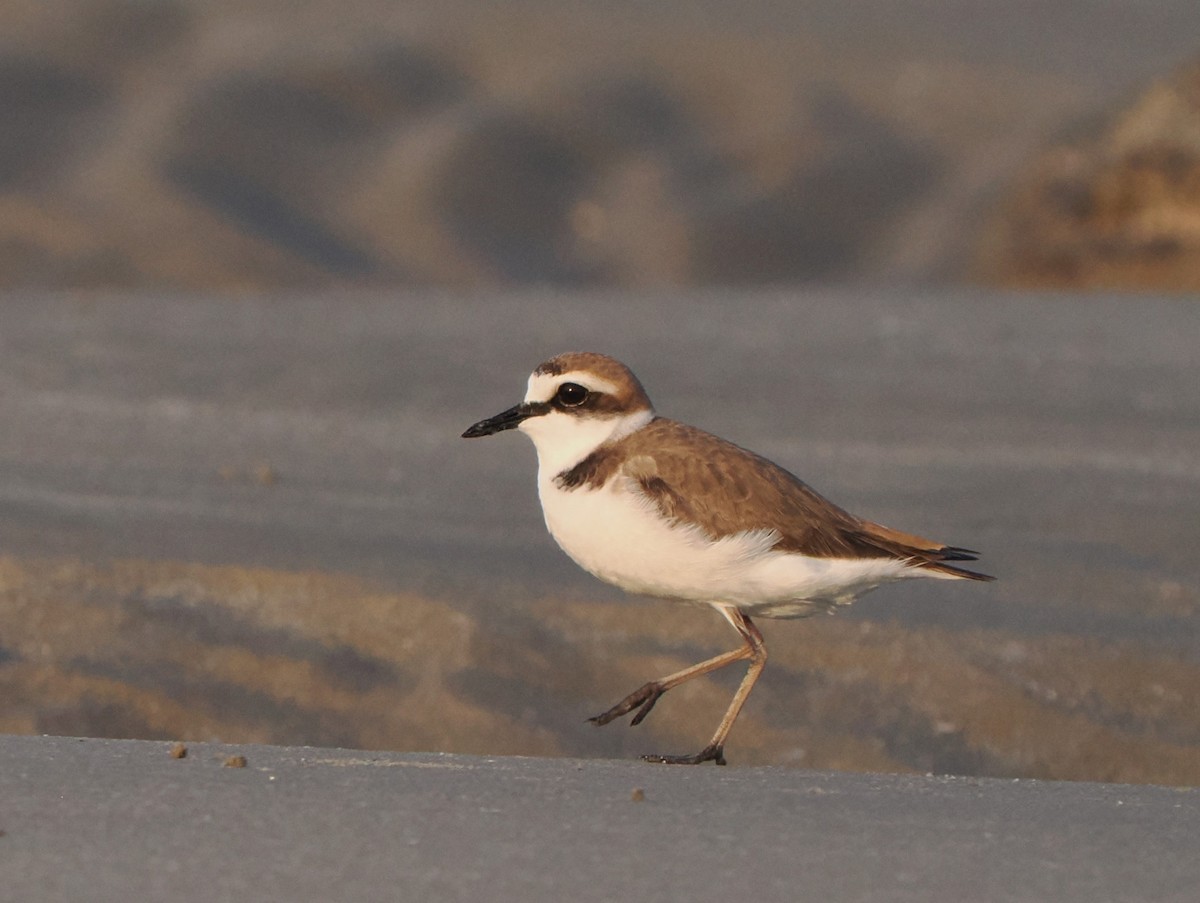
{"points": [[664, 509]]}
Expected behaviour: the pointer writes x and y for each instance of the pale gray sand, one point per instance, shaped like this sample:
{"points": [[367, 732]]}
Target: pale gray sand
{"points": [[107, 820], [1056, 434]]}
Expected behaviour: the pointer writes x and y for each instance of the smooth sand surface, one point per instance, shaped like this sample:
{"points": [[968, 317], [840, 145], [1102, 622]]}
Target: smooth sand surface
{"points": [[106, 820], [255, 520]]}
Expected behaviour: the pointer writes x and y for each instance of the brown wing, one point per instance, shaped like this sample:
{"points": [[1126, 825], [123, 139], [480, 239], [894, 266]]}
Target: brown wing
{"points": [[696, 477]]}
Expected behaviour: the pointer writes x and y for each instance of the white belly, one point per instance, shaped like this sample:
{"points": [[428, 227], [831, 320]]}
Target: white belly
{"points": [[619, 536]]}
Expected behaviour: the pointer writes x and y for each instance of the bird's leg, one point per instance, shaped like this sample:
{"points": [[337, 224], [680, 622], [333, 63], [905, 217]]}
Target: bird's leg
{"points": [[644, 698], [710, 753], [756, 651], [646, 695]]}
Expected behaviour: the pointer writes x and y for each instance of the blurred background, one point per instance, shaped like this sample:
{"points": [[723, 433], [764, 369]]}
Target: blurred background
{"points": [[239, 147], [261, 263]]}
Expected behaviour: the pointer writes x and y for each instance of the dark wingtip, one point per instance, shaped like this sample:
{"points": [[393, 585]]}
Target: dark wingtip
{"points": [[958, 553]]}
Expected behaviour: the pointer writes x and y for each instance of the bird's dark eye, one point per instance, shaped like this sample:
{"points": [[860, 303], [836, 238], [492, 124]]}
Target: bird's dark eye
{"points": [[571, 395]]}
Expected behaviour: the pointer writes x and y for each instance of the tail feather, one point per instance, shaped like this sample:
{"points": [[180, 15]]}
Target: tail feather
{"points": [[951, 571], [924, 553]]}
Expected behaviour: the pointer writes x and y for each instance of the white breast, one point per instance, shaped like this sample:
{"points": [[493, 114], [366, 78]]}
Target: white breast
{"points": [[618, 535]]}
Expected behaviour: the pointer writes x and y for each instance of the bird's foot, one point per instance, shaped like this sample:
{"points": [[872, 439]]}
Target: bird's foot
{"points": [[711, 753], [645, 697]]}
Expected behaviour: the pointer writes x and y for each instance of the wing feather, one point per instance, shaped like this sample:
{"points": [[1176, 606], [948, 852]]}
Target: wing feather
{"points": [[695, 477]]}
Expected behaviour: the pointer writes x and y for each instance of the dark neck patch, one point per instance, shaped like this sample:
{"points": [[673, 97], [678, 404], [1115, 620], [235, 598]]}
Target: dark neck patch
{"points": [[592, 472]]}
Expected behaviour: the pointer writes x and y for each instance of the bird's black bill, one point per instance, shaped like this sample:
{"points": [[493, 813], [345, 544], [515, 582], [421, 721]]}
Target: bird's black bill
{"points": [[506, 420]]}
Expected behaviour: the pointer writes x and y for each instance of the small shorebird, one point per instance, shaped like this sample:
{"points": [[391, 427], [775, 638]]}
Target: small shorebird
{"points": [[665, 509]]}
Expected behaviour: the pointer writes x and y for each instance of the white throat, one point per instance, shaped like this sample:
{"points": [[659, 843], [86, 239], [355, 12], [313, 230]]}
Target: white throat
{"points": [[563, 440]]}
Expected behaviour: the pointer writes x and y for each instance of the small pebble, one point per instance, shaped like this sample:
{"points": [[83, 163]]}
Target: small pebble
{"points": [[178, 751], [235, 762], [638, 795]]}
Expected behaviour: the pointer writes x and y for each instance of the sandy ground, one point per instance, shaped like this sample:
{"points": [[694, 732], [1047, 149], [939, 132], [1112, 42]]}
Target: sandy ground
{"points": [[108, 820], [255, 521]]}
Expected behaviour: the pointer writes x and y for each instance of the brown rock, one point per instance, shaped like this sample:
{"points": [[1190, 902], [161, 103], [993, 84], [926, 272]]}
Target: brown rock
{"points": [[1118, 208]]}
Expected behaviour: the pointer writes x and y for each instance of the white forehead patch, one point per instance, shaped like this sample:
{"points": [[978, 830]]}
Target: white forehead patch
{"points": [[542, 386]]}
